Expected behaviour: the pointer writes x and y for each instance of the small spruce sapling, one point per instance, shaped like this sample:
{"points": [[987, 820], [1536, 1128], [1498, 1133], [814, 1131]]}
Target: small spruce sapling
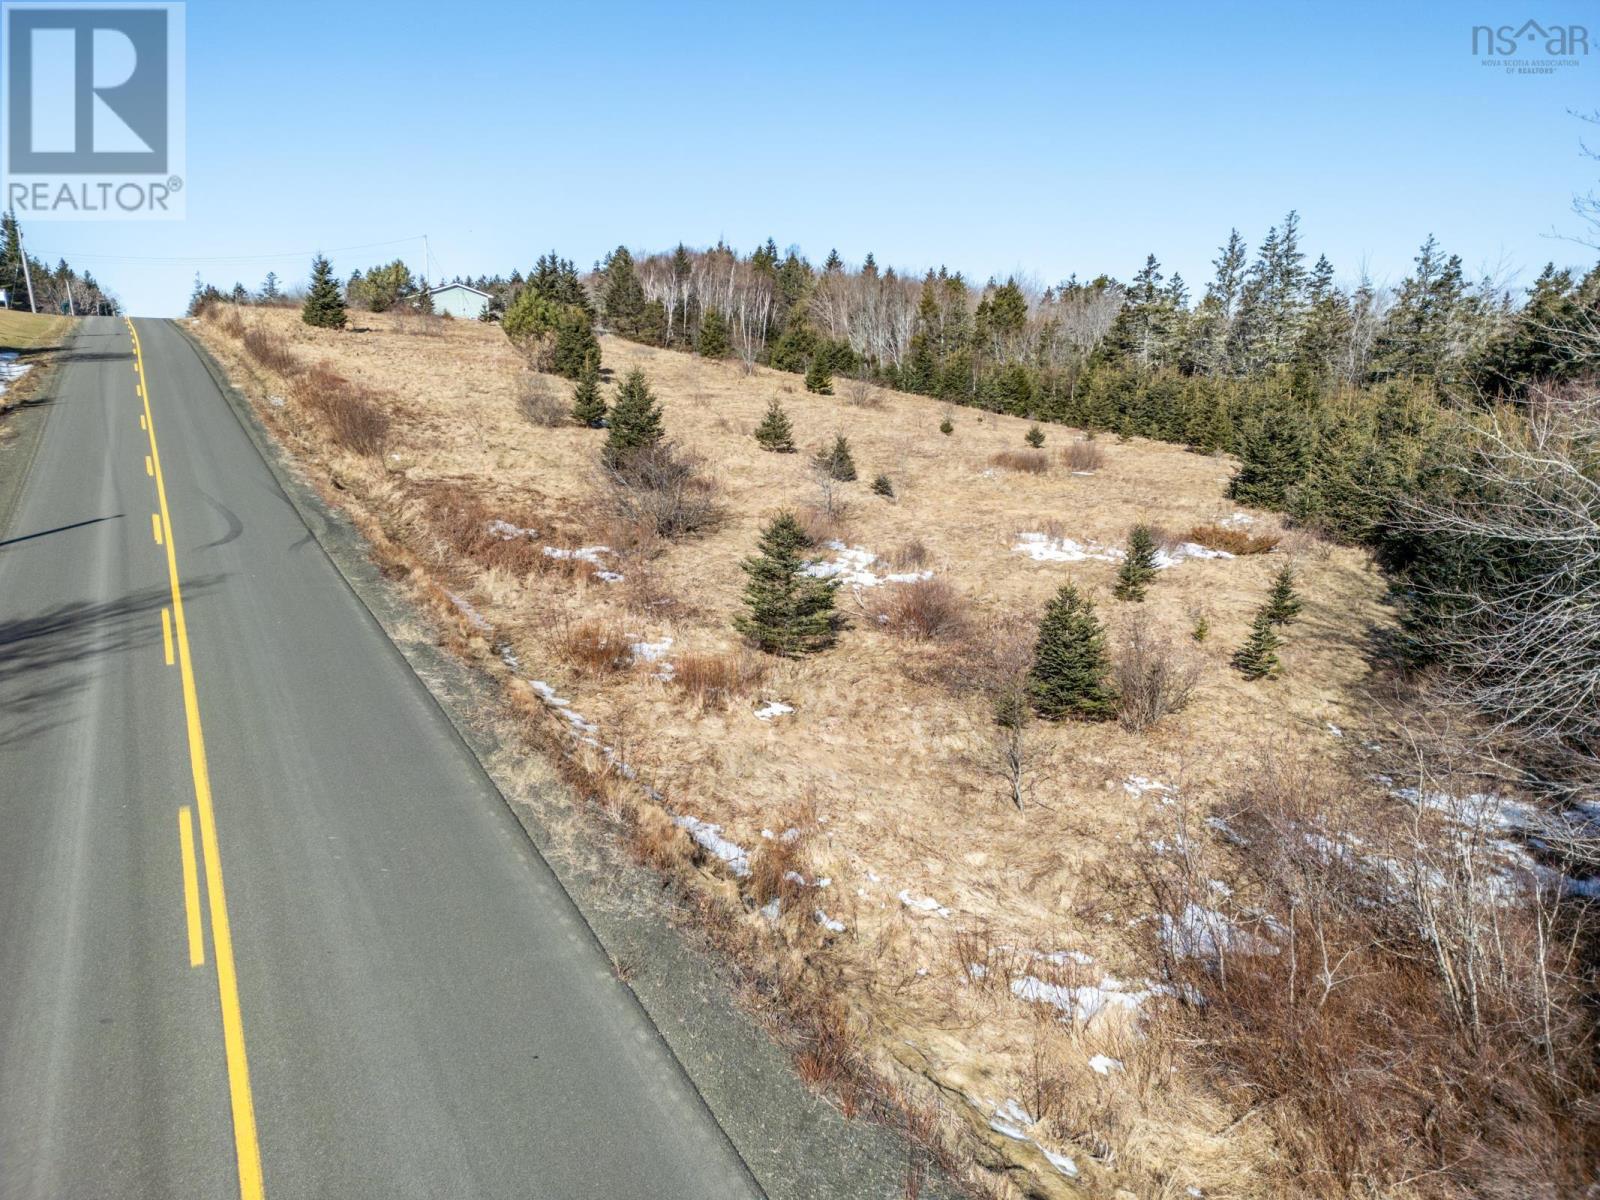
{"points": [[1138, 564], [1034, 437], [635, 421], [1070, 670], [947, 426], [324, 306], [882, 487], [588, 405], [789, 612], [835, 461], [1258, 657], [818, 378], [1283, 602], [775, 433]]}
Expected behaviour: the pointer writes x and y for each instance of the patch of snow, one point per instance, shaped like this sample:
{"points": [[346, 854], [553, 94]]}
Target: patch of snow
{"points": [[1084, 1002], [710, 837], [609, 576], [548, 693], [507, 532], [588, 554], [923, 904], [1102, 1064], [1012, 1120], [1200, 932], [1060, 1162], [276, 401], [828, 923], [1237, 521], [1334, 730], [473, 616], [769, 910], [772, 709], [1138, 785], [1042, 548], [1183, 550]]}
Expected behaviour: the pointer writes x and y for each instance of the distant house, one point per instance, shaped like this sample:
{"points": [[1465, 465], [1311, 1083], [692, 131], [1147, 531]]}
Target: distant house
{"points": [[460, 301]]}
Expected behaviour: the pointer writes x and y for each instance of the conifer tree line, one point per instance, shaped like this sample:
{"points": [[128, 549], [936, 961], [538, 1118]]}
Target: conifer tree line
{"points": [[56, 289]]}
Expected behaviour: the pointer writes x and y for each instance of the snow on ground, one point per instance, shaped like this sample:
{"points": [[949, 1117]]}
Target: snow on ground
{"points": [[590, 555], [11, 370], [829, 923], [923, 904], [652, 652], [1042, 547], [473, 616], [853, 565], [1103, 1064], [508, 532], [710, 836], [1012, 1120], [772, 709], [1085, 1001], [1200, 932]]}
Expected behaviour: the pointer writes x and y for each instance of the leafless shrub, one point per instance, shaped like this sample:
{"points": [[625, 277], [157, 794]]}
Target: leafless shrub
{"points": [[1155, 675], [540, 402], [922, 610], [270, 350], [713, 680], [1083, 456], [663, 491], [352, 415], [227, 320], [412, 323], [995, 663], [1232, 539], [1031, 462], [911, 555], [860, 391], [596, 647], [781, 864], [503, 539]]}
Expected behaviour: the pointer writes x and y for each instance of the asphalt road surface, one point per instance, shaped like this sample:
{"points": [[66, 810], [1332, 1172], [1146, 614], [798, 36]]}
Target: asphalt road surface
{"points": [[393, 997]]}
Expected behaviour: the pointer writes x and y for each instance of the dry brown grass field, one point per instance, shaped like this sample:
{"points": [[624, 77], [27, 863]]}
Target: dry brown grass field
{"points": [[912, 865]]}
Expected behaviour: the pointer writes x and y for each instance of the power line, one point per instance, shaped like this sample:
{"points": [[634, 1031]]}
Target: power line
{"points": [[182, 260]]}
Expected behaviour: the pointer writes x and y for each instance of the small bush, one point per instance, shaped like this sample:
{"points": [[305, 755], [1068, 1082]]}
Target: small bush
{"points": [[911, 556], [947, 426], [1034, 437], [776, 432], [836, 461], [881, 486], [712, 680], [1258, 657], [1083, 456], [1154, 678], [925, 610], [1138, 564], [1231, 540], [596, 647], [859, 390], [539, 404], [270, 350], [1032, 462], [352, 415], [660, 491]]}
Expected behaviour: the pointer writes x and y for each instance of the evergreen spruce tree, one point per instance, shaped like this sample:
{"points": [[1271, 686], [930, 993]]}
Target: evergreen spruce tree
{"points": [[775, 433], [1070, 663], [1274, 454], [1258, 657], [1138, 564], [881, 486], [424, 297], [818, 378], [588, 405], [1034, 437], [324, 306], [836, 461], [635, 422], [713, 335], [789, 612], [1283, 603]]}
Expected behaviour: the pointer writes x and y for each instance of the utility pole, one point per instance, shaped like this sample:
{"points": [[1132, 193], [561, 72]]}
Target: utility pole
{"points": [[26, 274], [72, 309]]}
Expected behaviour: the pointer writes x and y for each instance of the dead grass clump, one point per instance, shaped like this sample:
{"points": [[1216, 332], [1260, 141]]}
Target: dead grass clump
{"points": [[911, 555], [924, 610], [1155, 676], [490, 539], [663, 491], [227, 320], [861, 392], [712, 680], [1031, 462], [353, 415], [595, 647], [540, 402], [821, 525], [1085, 457], [1233, 540], [269, 350]]}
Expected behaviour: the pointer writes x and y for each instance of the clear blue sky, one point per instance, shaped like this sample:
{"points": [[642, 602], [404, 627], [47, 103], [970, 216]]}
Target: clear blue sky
{"points": [[1045, 138]]}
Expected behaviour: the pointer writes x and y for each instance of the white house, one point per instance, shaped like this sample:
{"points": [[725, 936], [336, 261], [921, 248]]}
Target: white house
{"points": [[460, 301]]}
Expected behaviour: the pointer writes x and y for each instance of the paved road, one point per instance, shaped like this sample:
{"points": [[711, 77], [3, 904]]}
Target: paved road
{"points": [[394, 998]]}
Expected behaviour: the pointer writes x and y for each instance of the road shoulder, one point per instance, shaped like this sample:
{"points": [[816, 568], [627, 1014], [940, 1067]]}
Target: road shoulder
{"points": [[795, 1144]]}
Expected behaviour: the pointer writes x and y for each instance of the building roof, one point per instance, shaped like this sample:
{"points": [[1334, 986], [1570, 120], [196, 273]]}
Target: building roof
{"points": [[445, 287]]}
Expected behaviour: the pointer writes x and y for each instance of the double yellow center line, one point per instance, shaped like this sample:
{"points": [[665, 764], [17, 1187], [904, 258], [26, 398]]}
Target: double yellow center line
{"points": [[246, 1146]]}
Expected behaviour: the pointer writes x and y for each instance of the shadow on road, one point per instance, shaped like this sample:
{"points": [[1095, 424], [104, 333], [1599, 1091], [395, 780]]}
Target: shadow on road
{"points": [[48, 656], [28, 537]]}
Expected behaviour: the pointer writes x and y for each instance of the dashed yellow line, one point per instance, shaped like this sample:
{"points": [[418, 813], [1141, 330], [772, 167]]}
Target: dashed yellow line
{"points": [[247, 1149], [191, 888], [166, 634], [155, 527], [148, 469]]}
